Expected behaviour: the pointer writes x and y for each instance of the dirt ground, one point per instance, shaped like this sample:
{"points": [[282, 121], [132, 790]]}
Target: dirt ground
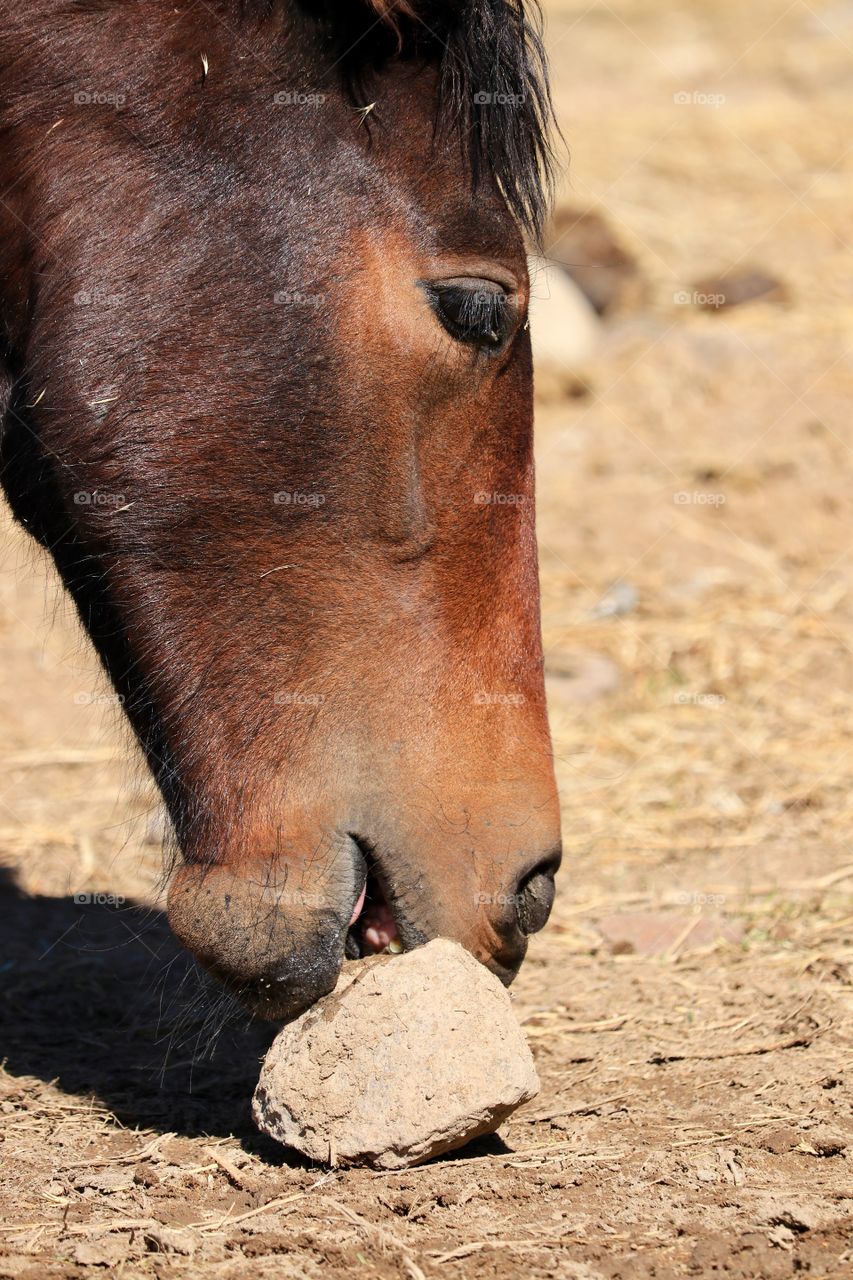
{"points": [[689, 1006]]}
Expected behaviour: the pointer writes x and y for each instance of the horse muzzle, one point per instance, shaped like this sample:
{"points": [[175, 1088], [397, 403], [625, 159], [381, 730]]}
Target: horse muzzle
{"points": [[276, 932], [272, 934]]}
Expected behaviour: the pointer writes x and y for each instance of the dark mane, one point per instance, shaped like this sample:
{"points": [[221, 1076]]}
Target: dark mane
{"points": [[493, 77]]}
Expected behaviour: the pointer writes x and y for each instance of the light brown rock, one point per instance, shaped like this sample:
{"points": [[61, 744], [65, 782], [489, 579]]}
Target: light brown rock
{"points": [[409, 1057]]}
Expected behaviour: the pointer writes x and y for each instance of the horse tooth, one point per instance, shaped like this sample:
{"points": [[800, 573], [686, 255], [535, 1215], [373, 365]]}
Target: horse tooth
{"points": [[395, 946]]}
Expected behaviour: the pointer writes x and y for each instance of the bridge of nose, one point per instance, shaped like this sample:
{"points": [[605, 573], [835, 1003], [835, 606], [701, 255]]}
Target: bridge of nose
{"points": [[401, 510]]}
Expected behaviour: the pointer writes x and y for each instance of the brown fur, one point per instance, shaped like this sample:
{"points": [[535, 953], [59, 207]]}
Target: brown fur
{"points": [[210, 299]]}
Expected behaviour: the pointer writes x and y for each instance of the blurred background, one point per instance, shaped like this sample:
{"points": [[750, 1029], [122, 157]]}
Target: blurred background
{"points": [[695, 448], [693, 319]]}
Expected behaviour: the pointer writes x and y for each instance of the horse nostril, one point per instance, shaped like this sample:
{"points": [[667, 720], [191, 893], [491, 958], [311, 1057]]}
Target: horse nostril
{"points": [[535, 899]]}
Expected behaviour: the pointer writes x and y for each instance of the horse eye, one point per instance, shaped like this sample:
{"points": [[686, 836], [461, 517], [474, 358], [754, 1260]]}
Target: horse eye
{"points": [[477, 312]]}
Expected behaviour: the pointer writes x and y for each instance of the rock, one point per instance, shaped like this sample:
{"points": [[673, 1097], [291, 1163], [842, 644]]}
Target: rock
{"points": [[409, 1057], [736, 287], [105, 1180], [564, 329], [110, 1251], [781, 1237], [582, 242], [162, 1239], [798, 1216], [823, 1142], [655, 933]]}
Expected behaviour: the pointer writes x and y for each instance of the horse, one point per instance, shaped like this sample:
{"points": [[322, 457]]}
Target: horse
{"points": [[266, 400]]}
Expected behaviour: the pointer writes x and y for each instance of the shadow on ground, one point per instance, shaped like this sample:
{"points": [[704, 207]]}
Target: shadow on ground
{"points": [[102, 999]]}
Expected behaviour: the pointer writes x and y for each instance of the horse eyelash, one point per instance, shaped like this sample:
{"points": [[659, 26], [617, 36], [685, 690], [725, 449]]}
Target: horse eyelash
{"points": [[478, 308]]}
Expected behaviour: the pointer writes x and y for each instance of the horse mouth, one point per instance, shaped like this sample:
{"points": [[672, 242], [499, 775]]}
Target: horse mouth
{"points": [[374, 926]]}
